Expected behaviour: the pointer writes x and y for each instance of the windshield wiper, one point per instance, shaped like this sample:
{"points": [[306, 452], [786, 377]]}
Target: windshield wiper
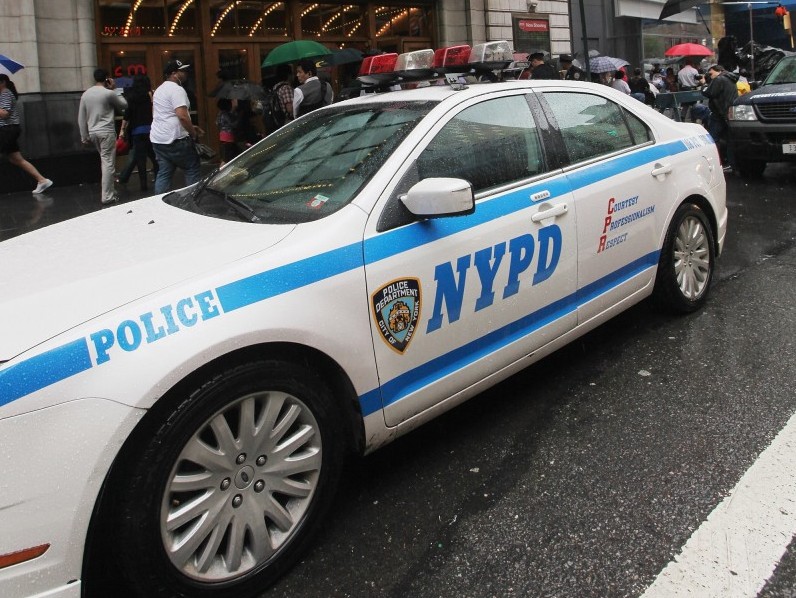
{"points": [[240, 207]]}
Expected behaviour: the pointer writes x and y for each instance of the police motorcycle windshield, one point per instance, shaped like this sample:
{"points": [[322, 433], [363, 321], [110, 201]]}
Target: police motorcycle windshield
{"points": [[305, 171]]}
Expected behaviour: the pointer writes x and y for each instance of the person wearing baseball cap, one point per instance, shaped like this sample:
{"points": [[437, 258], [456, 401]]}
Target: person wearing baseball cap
{"points": [[571, 72], [172, 133]]}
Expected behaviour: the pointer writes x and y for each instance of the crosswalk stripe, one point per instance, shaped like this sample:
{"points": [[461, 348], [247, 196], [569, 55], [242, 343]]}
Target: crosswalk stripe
{"points": [[739, 545]]}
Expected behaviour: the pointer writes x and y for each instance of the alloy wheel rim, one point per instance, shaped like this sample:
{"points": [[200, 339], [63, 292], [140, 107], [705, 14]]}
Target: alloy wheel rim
{"points": [[692, 258], [241, 486]]}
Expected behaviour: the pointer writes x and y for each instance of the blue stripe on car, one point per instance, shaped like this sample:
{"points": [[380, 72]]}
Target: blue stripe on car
{"points": [[58, 364]]}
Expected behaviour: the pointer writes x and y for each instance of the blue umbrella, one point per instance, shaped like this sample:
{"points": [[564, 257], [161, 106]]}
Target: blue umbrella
{"points": [[8, 66]]}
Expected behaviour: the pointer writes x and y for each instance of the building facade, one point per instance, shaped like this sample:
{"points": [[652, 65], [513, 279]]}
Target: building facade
{"points": [[61, 42]]}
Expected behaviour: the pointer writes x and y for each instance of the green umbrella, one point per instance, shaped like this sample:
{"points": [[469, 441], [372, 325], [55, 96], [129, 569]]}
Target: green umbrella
{"points": [[295, 51]]}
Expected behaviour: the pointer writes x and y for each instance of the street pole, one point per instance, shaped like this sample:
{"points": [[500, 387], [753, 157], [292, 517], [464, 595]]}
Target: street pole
{"points": [[585, 39], [751, 42]]}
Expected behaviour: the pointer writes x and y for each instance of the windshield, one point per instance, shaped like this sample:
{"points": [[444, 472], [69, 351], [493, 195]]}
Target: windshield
{"points": [[308, 169], [784, 72]]}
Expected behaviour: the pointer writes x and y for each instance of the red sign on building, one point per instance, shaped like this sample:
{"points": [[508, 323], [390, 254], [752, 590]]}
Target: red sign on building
{"points": [[534, 25]]}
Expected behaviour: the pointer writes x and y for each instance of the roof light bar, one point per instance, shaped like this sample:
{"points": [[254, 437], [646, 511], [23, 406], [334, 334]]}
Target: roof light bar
{"points": [[496, 55], [385, 70], [452, 56]]}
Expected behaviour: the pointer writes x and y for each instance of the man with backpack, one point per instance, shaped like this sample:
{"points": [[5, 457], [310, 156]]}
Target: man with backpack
{"points": [[278, 104], [312, 93]]}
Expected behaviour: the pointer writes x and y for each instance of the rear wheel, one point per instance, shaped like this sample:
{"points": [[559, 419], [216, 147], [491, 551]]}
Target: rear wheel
{"points": [[228, 490], [685, 268]]}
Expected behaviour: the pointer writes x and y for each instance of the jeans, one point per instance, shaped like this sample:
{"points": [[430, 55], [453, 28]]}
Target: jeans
{"points": [[171, 156], [140, 150]]}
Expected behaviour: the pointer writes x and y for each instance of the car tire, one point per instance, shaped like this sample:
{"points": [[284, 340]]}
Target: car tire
{"points": [[687, 261], [751, 168], [227, 491]]}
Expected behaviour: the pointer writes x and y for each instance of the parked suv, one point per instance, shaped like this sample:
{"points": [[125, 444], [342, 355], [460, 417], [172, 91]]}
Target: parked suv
{"points": [[763, 122]]}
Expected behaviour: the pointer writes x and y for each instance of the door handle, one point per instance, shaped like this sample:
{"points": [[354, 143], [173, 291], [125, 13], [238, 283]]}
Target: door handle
{"points": [[661, 170], [551, 213]]}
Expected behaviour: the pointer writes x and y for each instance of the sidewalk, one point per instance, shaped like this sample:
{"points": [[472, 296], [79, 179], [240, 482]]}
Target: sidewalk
{"points": [[22, 212]]}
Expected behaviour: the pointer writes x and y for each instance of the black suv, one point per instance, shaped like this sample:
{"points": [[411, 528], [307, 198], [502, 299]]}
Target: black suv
{"points": [[763, 122]]}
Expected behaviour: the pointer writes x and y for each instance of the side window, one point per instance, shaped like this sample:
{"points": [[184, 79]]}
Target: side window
{"points": [[490, 144], [591, 125], [641, 134]]}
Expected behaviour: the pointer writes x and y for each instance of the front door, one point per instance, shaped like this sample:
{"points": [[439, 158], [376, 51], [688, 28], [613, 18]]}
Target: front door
{"points": [[456, 299]]}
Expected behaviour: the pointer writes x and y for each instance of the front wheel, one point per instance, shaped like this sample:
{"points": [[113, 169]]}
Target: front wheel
{"points": [[685, 268], [227, 491]]}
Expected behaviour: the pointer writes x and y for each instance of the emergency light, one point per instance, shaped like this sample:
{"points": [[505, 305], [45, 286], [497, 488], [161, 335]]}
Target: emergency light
{"points": [[384, 70]]}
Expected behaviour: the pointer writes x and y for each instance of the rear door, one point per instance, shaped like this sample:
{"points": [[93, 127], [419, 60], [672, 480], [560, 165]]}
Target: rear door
{"points": [[456, 299], [623, 189]]}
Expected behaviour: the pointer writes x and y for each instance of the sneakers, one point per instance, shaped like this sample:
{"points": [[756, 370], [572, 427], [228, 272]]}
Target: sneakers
{"points": [[110, 200], [43, 186]]}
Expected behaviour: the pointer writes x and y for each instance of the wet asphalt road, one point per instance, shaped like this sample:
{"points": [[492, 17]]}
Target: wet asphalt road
{"points": [[586, 473]]}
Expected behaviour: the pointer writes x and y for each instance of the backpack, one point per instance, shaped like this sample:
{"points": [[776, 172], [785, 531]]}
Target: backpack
{"points": [[274, 115]]}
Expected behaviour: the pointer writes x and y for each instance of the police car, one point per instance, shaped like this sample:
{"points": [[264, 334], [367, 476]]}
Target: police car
{"points": [[182, 377]]}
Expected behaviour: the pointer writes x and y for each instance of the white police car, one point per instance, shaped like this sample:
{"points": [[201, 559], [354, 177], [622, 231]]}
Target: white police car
{"points": [[181, 377]]}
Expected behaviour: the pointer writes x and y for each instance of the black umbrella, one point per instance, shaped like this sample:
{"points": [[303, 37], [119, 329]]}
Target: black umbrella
{"points": [[344, 56], [239, 90], [674, 7]]}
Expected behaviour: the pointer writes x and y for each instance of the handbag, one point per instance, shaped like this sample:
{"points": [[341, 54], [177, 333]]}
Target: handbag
{"points": [[205, 151], [122, 146]]}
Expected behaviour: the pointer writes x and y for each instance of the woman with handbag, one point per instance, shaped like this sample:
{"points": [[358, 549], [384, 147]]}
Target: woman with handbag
{"points": [[10, 131], [136, 125]]}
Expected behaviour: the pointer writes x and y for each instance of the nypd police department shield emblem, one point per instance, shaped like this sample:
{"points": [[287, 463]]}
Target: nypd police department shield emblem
{"points": [[396, 308]]}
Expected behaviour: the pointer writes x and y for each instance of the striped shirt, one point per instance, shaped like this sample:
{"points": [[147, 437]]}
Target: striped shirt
{"points": [[9, 103]]}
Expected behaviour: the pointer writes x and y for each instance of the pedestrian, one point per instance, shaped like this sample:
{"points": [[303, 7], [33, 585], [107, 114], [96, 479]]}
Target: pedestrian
{"points": [[687, 76], [571, 72], [10, 130], [641, 88], [278, 104], [687, 80], [173, 134], [97, 122], [136, 125], [539, 68], [312, 93], [721, 93], [671, 80], [658, 77], [226, 122], [619, 82]]}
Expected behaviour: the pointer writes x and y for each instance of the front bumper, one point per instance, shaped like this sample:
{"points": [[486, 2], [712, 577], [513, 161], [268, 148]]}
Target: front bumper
{"points": [[54, 461], [757, 140]]}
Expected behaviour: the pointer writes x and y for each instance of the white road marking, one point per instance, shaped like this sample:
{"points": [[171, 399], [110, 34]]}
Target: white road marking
{"points": [[740, 544]]}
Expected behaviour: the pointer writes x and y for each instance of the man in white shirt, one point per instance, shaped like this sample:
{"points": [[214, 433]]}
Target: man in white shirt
{"points": [[172, 133], [96, 120], [686, 77], [687, 80], [312, 93]]}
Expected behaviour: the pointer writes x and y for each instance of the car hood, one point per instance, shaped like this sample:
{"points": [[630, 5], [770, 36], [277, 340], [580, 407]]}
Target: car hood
{"points": [[61, 276], [769, 94]]}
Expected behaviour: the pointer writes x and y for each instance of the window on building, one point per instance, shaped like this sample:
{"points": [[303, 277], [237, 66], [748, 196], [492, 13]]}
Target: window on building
{"points": [[403, 21], [332, 20], [136, 18], [250, 18]]}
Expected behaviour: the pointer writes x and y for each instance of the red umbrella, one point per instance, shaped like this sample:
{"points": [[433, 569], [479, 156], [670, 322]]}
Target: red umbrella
{"points": [[688, 50]]}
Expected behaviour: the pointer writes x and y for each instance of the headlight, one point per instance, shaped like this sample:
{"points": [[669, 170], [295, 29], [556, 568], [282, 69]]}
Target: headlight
{"points": [[742, 112]]}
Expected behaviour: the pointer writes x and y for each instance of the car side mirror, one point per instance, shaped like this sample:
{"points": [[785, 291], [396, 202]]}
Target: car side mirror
{"points": [[437, 197]]}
